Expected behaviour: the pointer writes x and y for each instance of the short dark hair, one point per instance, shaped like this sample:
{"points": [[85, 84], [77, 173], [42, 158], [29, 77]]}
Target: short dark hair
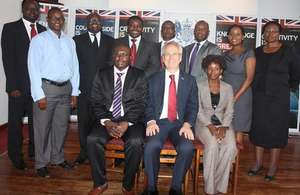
{"points": [[269, 23], [121, 45], [53, 9], [166, 22], [235, 25], [203, 22], [217, 59], [24, 1], [135, 17]]}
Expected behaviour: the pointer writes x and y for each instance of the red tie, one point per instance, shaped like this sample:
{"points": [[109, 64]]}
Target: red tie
{"points": [[172, 103], [33, 31], [133, 51]]}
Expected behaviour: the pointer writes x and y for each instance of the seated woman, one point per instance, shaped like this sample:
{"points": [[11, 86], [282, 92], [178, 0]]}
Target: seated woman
{"points": [[213, 126]]}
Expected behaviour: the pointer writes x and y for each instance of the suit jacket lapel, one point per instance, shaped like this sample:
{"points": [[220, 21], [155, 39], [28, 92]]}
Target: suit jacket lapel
{"points": [[23, 31], [206, 92], [223, 95], [161, 89]]}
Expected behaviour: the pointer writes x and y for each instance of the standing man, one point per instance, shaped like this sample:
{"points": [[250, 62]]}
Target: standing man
{"points": [[16, 37], [119, 99], [93, 50], [54, 78], [167, 34], [144, 54], [171, 113], [196, 52]]}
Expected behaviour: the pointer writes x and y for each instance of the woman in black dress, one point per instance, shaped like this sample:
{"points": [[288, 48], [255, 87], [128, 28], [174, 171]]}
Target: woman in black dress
{"points": [[277, 71]]}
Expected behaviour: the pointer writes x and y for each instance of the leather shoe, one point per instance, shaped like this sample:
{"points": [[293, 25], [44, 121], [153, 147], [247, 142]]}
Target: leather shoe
{"points": [[42, 172], [270, 178], [126, 192], [31, 156], [146, 192], [65, 165], [20, 164], [80, 160], [97, 191], [174, 192], [252, 173]]}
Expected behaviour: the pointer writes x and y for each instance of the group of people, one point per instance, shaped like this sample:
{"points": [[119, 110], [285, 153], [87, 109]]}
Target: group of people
{"points": [[144, 93]]}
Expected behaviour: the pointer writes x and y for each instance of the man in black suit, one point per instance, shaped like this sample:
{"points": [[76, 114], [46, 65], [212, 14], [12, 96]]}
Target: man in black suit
{"points": [[171, 113], [93, 50], [16, 37], [119, 99], [146, 57]]}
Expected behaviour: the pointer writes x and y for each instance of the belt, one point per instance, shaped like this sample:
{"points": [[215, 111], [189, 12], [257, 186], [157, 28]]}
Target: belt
{"points": [[59, 84]]}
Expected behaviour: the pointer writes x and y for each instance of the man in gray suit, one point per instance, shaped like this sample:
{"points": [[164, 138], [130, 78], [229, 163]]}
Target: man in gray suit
{"points": [[195, 52]]}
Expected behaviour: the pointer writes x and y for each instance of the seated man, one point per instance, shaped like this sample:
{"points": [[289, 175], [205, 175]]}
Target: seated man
{"points": [[119, 99], [171, 113]]}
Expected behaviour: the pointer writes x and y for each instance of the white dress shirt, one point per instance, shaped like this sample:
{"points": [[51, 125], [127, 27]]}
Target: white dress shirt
{"points": [[28, 27]]}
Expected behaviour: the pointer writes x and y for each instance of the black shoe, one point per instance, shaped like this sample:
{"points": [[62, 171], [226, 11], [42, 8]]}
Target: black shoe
{"points": [[65, 165], [270, 178], [31, 156], [252, 173], [146, 192], [80, 160], [174, 192], [20, 164], [42, 172]]}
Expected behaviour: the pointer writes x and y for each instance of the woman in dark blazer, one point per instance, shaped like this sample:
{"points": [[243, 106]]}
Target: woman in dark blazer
{"points": [[277, 71], [213, 126]]}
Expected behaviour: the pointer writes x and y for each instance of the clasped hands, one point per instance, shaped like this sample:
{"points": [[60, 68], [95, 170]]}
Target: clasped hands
{"points": [[185, 130], [218, 132], [116, 130]]}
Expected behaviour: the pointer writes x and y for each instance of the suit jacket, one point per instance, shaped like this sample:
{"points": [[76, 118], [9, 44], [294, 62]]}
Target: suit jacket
{"points": [[90, 61], [15, 45], [224, 110], [283, 72], [187, 98], [206, 49], [134, 95], [146, 57]]}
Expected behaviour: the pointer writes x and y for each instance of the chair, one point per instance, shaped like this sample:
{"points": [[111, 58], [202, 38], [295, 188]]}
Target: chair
{"points": [[114, 145], [199, 150], [169, 150]]}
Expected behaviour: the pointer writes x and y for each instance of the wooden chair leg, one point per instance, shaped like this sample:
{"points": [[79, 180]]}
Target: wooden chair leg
{"points": [[196, 171], [186, 182], [145, 181], [236, 170]]}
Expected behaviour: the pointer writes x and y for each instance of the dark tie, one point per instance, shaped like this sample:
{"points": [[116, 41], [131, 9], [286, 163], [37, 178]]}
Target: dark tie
{"points": [[193, 58], [95, 43], [172, 103], [133, 51], [117, 97], [33, 31]]}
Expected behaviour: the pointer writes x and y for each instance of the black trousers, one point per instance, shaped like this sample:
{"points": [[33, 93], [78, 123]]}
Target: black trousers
{"points": [[133, 147], [16, 110]]}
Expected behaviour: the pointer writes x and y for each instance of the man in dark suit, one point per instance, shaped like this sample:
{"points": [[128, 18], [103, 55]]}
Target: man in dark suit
{"points": [[93, 50], [167, 34], [196, 52], [16, 37], [171, 113], [119, 99], [146, 57]]}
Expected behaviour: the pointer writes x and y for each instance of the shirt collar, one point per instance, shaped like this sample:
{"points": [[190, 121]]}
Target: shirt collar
{"points": [[27, 23], [137, 39]]}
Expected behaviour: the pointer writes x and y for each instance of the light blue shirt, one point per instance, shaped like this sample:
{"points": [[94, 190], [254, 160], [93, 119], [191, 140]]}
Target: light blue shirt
{"points": [[52, 58]]}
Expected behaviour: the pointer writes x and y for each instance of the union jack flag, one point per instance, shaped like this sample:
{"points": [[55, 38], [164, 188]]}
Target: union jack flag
{"points": [[145, 15], [239, 20], [44, 8], [105, 14], [266, 20], [291, 23]]}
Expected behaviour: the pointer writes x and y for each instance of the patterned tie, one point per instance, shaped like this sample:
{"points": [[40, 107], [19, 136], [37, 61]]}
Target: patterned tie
{"points": [[33, 31], [172, 103], [133, 51], [194, 54], [95, 43], [117, 97]]}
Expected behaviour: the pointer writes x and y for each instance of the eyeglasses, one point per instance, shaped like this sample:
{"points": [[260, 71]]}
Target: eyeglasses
{"points": [[55, 19], [121, 54], [172, 54], [271, 31], [94, 20]]}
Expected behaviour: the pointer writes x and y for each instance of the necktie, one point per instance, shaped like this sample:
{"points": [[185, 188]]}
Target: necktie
{"points": [[193, 57], [95, 43], [117, 97], [33, 31], [133, 51], [172, 103]]}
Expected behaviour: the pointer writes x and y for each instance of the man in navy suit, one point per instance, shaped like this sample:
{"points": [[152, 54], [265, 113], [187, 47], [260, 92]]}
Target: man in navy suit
{"points": [[146, 58], [93, 50], [16, 37], [171, 113]]}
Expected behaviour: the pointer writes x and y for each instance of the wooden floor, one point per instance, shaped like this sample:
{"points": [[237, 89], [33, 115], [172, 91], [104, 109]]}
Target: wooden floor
{"points": [[79, 181]]}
